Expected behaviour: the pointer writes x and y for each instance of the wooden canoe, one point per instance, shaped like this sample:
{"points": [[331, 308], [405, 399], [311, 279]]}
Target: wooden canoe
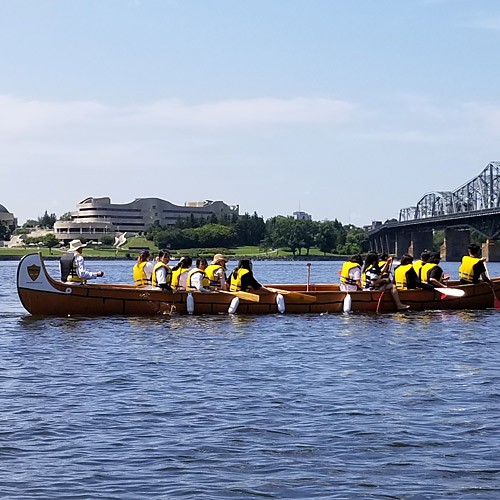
{"points": [[42, 295]]}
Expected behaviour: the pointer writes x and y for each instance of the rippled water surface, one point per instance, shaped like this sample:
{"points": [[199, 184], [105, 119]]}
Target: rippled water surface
{"points": [[401, 406]]}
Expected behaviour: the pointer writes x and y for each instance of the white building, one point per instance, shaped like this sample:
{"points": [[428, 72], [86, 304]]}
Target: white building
{"points": [[302, 215], [96, 217], [7, 218]]}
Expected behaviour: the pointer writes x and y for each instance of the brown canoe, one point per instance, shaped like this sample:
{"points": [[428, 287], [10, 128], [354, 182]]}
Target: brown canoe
{"points": [[42, 295]]}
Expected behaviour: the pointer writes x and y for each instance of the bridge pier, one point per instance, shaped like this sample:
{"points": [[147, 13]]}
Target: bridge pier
{"points": [[385, 243], [403, 243], [420, 241], [455, 244], [491, 250]]}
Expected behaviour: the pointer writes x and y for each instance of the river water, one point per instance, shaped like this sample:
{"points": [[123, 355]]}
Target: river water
{"points": [[391, 406]]}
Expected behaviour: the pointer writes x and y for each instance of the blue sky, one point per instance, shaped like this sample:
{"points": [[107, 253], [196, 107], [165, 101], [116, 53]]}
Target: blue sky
{"points": [[346, 109]]}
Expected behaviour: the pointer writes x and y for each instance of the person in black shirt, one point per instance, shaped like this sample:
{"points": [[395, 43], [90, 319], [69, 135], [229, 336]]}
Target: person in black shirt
{"points": [[473, 267], [242, 279]]}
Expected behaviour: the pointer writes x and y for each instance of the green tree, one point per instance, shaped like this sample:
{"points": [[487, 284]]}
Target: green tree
{"points": [[326, 236], [215, 235], [307, 230], [46, 220], [50, 241], [65, 216], [30, 224], [356, 241], [4, 231]]}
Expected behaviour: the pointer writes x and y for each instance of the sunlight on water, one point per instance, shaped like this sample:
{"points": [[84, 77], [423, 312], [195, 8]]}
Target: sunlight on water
{"points": [[357, 406]]}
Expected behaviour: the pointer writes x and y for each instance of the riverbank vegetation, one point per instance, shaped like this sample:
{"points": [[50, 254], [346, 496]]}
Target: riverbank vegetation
{"points": [[246, 235]]}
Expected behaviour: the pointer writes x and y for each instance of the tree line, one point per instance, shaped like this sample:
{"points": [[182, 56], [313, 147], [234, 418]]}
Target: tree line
{"points": [[252, 230], [228, 231]]}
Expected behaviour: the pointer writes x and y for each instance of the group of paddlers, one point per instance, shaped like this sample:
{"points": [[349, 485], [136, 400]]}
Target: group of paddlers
{"points": [[425, 273], [374, 274], [203, 277]]}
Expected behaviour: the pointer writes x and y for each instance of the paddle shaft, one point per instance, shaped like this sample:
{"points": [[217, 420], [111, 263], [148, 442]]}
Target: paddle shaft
{"points": [[299, 296], [496, 302], [251, 297]]}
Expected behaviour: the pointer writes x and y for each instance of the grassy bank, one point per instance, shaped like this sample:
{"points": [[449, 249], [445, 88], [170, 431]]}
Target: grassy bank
{"points": [[135, 245]]}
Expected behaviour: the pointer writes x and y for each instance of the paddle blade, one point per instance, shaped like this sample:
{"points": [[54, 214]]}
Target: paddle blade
{"points": [[496, 303], [450, 292]]}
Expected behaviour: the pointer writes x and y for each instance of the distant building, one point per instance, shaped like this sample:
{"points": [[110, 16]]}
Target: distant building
{"points": [[302, 215], [372, 226], [96, 217], [7, 218]]}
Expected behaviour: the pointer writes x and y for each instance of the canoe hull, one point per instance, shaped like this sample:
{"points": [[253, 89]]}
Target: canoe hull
{"points": [[42, 295]]}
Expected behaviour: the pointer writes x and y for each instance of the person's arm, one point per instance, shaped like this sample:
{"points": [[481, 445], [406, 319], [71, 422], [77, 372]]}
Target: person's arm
{"points": [[148, 270], [434, 277], [481, 269], [356, 276], [222, 278], [161, 277], [197, 282], [82, 272]]}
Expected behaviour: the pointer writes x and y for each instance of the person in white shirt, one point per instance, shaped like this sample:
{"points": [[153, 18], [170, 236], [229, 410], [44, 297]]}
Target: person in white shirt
{"points": [[197, 278], [162, 274], [350, 275], [72, 265]]}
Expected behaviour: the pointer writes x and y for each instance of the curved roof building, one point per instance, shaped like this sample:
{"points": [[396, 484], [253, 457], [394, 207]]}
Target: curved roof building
{"points": [[97, 216]]}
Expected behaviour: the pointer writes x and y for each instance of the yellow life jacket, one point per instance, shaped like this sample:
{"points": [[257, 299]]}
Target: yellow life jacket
{"points": [[466, 270], [236, 283], [177, 274], [210, 273], [73, 275], [425, 272], [381, 263], [344, 274], [140, 278], [168, 277], [400, 276], [204, 279], [418, 268], [363, 280]]}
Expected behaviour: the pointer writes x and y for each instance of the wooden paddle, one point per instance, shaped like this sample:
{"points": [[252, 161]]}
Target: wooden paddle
{"points": [[496, 302], [250, 297], [301, 297], [385, 270]]}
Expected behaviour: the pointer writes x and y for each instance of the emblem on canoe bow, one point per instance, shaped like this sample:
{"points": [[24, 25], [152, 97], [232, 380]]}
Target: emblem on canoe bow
{"points": [[34, 271]]}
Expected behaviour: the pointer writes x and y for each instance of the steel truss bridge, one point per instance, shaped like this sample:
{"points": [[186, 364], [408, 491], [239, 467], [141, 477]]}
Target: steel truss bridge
{"points": [[474, 205], [479, 194]]}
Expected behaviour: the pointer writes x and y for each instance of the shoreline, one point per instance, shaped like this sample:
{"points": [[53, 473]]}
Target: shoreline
{"points": [[299, 258]]}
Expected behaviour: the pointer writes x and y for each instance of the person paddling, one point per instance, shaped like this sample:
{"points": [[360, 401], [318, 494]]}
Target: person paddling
{"points": [[375, 280], [242, 278], [473, 267], [431, 273]]}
